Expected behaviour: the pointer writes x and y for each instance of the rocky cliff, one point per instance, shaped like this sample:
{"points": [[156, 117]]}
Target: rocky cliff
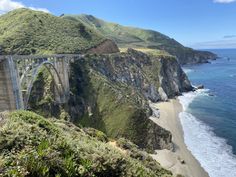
{"points": [[190, 56], [106, 47], [111, 93]]}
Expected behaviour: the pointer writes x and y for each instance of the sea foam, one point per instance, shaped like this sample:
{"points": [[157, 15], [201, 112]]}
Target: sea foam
{"points": [[187, 70], [213, 153]]}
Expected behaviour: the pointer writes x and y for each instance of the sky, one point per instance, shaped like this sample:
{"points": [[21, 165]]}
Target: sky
{"points": [[200, 24]]}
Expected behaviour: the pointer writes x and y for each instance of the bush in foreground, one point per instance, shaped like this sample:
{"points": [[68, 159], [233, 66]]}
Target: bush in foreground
{"points": [[33, 146]]}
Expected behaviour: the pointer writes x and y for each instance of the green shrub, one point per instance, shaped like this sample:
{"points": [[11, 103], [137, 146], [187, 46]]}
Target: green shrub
{"points": [[32, 146], [96, 134]]}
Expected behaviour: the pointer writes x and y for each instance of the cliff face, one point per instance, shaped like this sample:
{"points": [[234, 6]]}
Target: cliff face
{"points": [[190, 56], [173, 81], [111, 93], [106, 47]]}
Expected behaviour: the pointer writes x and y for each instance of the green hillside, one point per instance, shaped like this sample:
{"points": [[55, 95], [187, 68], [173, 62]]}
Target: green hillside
{"points": [[130, 37], [32, 146], [127, 36], [25, 31]]}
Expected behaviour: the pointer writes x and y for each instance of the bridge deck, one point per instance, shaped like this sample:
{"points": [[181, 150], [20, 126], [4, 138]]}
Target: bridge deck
{"points": [[3, 57]]}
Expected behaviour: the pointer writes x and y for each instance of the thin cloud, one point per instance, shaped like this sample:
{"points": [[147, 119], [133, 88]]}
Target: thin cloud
{"points": [[8, 5], [224, 1], [40, 9], [220, 44], [229, 36]]}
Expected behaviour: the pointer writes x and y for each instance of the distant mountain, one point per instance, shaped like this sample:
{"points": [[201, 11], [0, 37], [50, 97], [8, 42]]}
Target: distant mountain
{"points": [[25, 31], [130, 37]]}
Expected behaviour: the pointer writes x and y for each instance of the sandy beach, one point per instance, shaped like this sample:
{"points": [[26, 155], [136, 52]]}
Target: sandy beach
{"points": [[180, 160]]}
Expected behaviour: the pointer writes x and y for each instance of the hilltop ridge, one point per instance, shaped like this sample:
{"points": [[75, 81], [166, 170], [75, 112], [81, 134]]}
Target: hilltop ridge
{"points": [[24, 31], [131, 37]]}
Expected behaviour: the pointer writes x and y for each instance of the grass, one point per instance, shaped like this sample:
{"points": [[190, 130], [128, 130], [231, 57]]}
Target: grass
{"points": [[152, 52], [125, 36], [33, 146], [110, 114], [130, 37], [25, 31]]}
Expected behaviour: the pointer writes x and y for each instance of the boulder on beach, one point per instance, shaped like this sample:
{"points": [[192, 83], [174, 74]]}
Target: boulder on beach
{"points": [[200, 87]]}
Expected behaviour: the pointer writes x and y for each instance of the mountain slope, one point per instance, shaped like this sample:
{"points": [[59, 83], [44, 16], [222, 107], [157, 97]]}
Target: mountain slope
{"points": [[131, 37], [112, 92], [33, 146], [25, 31]]}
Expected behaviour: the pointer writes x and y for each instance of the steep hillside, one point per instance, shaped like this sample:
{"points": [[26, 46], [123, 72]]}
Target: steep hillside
{"points": [[131, 37], [111, 93], [108, 92], [32, 146], [25, 31]]}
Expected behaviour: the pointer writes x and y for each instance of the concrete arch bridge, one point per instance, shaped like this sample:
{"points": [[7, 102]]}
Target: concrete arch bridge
{"points": [[18, 73]]}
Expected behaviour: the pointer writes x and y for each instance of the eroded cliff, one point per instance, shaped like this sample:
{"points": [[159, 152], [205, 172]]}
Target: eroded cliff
{"points": [[112, 93]]}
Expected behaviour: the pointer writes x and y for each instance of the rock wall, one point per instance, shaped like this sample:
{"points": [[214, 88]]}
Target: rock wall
{"points": [[173, 81], [190, 56], [112, 93], [106, 47]]}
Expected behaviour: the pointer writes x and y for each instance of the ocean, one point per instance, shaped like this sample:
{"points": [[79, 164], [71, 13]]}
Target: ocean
{"points": [[209, 115]]}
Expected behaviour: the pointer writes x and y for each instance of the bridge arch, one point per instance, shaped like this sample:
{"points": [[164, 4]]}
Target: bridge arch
{"points": [[18, 73], [28, 77]]}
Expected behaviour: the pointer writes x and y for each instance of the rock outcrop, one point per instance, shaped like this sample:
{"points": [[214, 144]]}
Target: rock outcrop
{"points": [[111, 93], [173, 81], [190, 56], [106, 47]]}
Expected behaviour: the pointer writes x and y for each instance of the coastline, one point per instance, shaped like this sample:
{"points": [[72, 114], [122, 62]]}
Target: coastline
{"points": [[180, 160]]}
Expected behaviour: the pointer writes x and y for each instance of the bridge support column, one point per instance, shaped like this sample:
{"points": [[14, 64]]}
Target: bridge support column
{"points": [[10, 93], [62, 67]]}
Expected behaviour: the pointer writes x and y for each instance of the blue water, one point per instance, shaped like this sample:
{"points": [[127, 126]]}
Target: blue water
{"points": [[209, 117]]}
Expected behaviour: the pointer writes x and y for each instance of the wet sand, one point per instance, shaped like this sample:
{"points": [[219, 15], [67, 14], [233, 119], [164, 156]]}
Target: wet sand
{"points": [[180, 160]]}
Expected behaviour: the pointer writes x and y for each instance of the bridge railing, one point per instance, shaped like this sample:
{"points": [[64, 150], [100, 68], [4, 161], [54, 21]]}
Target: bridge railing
{"points": [[17, 57]]}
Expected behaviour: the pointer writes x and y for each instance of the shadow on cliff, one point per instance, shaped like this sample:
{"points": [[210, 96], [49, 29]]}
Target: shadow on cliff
{"points": [[83, 106]]}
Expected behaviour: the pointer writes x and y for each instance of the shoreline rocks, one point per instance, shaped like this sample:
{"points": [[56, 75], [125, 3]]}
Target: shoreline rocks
{"points": [[199, 87]]}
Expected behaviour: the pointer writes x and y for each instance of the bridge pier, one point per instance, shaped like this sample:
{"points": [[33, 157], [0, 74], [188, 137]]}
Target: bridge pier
{"points": [[62, 67], [10, 93]]}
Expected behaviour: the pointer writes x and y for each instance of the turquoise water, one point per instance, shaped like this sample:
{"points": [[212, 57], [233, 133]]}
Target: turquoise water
{"points": [[209, 117]]}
